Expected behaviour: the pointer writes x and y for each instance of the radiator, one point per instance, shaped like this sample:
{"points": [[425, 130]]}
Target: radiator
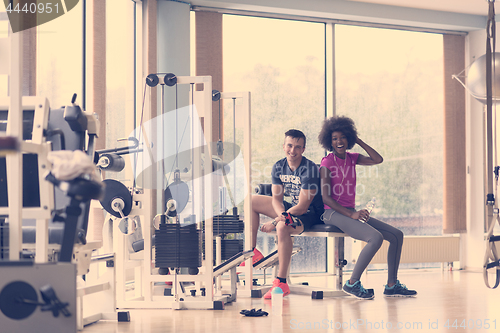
{"points": [[423, 249]]}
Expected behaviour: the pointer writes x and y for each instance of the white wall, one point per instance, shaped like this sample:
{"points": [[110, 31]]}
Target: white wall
{"points": [[473, 241]]}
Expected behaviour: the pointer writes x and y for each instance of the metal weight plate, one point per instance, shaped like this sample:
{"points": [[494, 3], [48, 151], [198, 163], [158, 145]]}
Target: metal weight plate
{"points": [[115, 190], [179, 191], [10, 300]]}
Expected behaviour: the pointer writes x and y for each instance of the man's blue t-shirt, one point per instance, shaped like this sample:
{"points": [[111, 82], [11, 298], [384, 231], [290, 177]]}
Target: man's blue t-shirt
{"points": [[306, 177]]}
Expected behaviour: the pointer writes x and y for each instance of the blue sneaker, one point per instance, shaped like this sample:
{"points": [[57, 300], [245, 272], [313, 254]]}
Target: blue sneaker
{"points": [[358, 291], [399, 290]]}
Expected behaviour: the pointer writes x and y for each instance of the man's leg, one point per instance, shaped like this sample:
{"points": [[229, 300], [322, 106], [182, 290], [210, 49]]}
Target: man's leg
{"points": [[261, 204], [285, 246], [285, 249]]}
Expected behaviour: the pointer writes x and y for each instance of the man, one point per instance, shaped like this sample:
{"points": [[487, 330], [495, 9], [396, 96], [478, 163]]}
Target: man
{"points": [[295, 204]]}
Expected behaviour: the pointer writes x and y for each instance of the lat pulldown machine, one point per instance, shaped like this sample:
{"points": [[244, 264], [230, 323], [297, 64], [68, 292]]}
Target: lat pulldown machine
{"points": [[183, 236]]}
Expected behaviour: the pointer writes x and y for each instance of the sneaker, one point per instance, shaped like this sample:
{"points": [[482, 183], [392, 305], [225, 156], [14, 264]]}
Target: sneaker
{"points": [[277, 283], [398, 290], [357, 290], [257, 256]]}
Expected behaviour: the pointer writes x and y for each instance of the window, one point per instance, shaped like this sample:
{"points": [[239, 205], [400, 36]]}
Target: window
{"points": [[390, 83], [119, 78], [282, 64], [4, 28], [59, 58]]}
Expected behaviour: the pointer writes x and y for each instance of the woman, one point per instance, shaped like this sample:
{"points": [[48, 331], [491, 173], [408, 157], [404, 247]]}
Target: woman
{"points": [[338, 186]]}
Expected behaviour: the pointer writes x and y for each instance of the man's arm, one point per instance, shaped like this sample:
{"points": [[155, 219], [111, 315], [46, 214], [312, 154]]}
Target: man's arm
{"points": [[278, 195], [305, 199]]}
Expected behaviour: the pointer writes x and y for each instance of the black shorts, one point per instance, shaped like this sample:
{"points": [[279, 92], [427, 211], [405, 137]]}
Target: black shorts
{"points": [[308, 219]]}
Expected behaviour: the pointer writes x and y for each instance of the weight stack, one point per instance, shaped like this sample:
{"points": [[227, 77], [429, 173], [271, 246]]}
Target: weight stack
{"points": [[229, 247], [4, 240], [227, 224], [177, 246]]}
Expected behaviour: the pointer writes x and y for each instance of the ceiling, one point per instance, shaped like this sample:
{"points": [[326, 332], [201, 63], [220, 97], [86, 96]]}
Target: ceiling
{"points": [[477, 7]]}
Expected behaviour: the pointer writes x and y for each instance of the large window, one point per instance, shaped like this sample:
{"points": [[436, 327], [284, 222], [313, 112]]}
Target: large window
{"points": [[59, 58], [282, 64], [4, 28], [119, 77], [391, 83]]}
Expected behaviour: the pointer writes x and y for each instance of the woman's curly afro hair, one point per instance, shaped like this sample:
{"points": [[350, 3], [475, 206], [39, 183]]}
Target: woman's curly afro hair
{"points": [[337, 124]]}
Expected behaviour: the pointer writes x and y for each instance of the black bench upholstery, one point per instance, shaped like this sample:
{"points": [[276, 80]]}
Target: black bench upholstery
{"points": [[325, 228]]}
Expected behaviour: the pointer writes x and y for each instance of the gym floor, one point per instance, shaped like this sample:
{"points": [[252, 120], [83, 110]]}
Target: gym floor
{"points": [[446, 301]]}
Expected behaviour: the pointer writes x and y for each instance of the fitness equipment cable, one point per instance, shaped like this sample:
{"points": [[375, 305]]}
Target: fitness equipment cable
{"points": [[491, 251]]}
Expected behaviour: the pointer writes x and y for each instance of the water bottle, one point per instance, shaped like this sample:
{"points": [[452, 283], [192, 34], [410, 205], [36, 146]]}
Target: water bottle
{"points": [[277, 301], [369, 207]]}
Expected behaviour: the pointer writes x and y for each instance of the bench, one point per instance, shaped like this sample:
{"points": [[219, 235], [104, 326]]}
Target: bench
{"points": [[319, 230]]}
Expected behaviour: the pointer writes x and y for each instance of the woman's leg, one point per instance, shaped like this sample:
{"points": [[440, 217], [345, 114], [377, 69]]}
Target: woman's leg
{"points": [[357, 230], [395, 238]]}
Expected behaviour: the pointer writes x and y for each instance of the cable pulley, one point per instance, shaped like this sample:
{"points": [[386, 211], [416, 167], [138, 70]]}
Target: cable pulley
{"points": [[152, 80], [215, 95], [169, 79]]}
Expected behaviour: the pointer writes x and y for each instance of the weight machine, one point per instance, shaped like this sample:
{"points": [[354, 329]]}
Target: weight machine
{"points": [[51, 183], [42, 192], [483, 82], [182, 234], [245, 117]]}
